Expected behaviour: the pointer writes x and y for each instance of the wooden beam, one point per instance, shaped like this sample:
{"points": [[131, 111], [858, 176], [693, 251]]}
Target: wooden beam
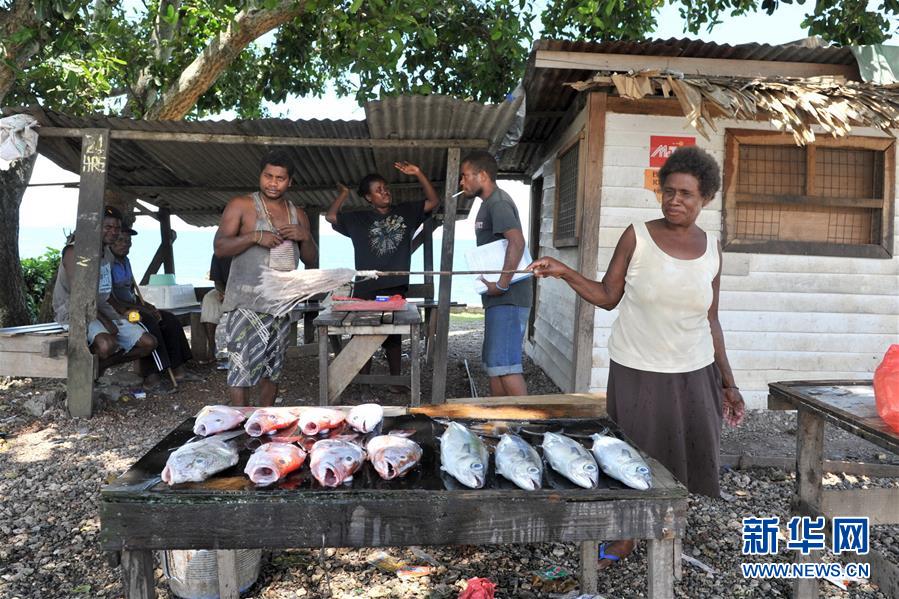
{"points": [[727, 67], [85, 278], [268, 140], [880, 505], [588, 249], [438, 384], [239, 189], [166, 240], [153, 266]]}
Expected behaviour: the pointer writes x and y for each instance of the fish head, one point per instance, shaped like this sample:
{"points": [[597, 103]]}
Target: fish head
{"points": [[263, 421], [332, 466], [583, 472], [315, 420], [394, 461], [527, 476], [364, 418], [196, 462], [638, 476], [471, 472], [214, 419]]}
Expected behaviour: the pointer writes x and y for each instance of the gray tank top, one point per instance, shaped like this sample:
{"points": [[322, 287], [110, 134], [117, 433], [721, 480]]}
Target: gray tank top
{"points": [[246, 268]]}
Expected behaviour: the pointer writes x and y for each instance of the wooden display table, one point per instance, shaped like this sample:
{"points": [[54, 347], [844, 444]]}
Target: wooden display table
{"points": [[369, 330], [140, 514], [848, 405]]}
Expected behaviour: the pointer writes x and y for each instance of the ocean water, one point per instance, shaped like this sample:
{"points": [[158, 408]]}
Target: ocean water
{"points": [[193, 251]]}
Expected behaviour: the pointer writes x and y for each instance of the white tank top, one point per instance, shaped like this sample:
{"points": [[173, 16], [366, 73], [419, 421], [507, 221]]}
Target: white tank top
{"points": [[663, 317]]}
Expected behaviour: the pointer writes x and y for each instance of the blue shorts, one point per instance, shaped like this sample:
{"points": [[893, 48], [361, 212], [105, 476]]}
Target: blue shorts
{"points": [[504, 329], [128, 335]]}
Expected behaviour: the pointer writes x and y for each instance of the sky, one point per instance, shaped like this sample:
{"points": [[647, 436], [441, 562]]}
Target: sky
{"points": [[758, 27]]}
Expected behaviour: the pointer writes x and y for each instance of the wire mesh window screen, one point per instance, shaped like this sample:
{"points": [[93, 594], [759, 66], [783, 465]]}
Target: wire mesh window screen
{"points": [[566, 211], [847, 173], [772, 170], [757, 221]]}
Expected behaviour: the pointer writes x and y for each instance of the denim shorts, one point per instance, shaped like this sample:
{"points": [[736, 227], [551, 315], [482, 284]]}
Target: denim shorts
{"points": [[504, 328], [128, 335]]}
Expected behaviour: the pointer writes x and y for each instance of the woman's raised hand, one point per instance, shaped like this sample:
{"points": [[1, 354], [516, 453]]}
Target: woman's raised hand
{"points": [[547, 267], [407, 168]]}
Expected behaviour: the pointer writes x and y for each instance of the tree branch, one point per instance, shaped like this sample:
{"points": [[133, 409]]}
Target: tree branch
{"points": [[19, 16], [181, 96]]}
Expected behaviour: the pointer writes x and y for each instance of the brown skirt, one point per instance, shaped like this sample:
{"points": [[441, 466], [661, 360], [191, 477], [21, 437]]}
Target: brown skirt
{"points": [[674, 418]]}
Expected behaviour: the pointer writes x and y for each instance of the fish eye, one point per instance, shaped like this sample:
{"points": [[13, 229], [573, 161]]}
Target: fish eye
{"points": [[477, 466], [348, 458], [590, 468]]}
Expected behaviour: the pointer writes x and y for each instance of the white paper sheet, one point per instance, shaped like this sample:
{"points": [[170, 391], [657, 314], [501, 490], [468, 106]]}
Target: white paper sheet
{"points": [[492, 256]]}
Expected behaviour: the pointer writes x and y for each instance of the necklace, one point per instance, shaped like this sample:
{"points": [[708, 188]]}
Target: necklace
{"points": [[268, 215]]}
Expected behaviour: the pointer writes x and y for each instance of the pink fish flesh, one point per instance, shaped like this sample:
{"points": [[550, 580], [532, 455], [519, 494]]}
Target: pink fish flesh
{"points": [[273, 461], [392, 455], [315, 420], [267, 420], [333, 461]]}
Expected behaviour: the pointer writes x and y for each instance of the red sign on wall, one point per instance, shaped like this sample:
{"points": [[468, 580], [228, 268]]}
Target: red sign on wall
{"points": [[661, 147]]}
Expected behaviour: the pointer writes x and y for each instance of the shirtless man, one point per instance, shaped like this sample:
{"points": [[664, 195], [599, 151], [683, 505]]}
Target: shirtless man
{"points": [[260, 230]]}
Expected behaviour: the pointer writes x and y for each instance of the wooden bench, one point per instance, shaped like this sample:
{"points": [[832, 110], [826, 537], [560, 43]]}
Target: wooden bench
{"points": [[38, 350]]}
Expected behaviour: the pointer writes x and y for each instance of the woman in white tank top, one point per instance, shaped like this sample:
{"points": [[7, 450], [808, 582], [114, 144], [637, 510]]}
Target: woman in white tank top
{"points": [[670, 383]]}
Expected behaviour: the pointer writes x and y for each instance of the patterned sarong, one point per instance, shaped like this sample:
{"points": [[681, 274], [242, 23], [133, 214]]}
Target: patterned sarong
{"points": [[256, 346]]}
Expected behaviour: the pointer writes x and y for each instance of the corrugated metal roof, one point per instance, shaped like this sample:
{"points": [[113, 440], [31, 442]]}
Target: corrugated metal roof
{"points": [[196, 180]]}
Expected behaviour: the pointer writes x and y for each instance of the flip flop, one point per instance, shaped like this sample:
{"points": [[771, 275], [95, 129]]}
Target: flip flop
{"points": [[607, 559], [189, 377]]}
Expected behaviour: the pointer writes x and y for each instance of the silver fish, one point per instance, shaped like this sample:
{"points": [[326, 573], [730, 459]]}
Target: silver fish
{"points": [[463, 456], [215, 419], [517, 461], [199, 460], [365, 417], [570, 459], [393, 455], [334, 461], [621, 461]]}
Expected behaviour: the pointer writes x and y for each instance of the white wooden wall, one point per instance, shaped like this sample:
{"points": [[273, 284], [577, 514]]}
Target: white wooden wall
{"points": [[784, 317]]}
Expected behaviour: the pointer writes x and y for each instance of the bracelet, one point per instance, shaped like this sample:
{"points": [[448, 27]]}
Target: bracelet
{"points": [[503, 289], [731, 387], [258, 237]]}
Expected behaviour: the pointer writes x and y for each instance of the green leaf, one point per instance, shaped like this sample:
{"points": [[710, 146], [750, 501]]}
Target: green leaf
{"points": [[82, 589]]}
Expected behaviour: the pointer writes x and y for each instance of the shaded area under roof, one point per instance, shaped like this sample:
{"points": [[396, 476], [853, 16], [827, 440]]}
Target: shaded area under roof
{"points": [[195, 180]]}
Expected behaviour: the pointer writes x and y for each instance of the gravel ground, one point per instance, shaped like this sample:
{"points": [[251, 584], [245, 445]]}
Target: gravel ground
{"points": [[53, 468]]}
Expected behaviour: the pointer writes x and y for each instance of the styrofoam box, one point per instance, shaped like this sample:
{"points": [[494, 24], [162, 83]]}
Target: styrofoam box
{"points": [[169, 296]]}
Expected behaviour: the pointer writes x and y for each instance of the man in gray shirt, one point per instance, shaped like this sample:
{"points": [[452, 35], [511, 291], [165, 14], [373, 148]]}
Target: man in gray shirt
{"points": [[506, 304]]}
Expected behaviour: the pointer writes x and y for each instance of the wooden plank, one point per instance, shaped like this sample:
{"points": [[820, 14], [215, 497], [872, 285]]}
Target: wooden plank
{"points": [[344, 519], [587, 253], [153, 266], [349, 361], [809, 472], [226, 564], [595, 399], [438, 384], [323, 378], [34, 365], [329, 318], [558, 59], [137, 574], [507, 411], [167, 239], [660, 568], [199, 343], [30, 344], [884, 572], [85, 278], [270, 140], [375, 329], [587, 572], [415, 370], [763, 137], [744, 461], [880, 505], [57, 346]]}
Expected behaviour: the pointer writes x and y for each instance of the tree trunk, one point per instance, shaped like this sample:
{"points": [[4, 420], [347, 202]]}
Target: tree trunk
{"points": [[13, 307]]}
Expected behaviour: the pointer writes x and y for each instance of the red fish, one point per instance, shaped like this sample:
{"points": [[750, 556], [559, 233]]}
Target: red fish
{"points": [[273, 461], [215, 419], [316, 420], [393, 455], [267, 420]]}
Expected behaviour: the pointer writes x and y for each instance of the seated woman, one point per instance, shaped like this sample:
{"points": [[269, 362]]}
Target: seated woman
{"points": [[670, 383], [382, 240], [172, 349]]}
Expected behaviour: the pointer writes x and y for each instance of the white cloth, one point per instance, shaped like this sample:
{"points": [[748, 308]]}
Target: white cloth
{"points": [[18, 138], [663, 323]]}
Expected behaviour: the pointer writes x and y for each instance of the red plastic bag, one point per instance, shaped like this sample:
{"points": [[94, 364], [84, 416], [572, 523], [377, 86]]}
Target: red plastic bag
{"points": [[478, 588], [886, 388]]}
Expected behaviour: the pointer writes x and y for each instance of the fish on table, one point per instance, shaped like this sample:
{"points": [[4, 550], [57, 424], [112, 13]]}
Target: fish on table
{"points": [[621, 461], [365, 417], [198, 460], [267, 420], [463, 456], [393, 456], [570, 459], [334, 461], [517, 461], [315, 420], [273, 461], [215, 419]]}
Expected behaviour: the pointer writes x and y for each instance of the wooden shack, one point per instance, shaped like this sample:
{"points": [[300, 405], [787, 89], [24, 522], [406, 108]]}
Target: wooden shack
{"points": [[806, 216]]}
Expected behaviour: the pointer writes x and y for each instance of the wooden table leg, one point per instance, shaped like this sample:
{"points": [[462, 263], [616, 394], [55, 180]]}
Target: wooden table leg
{"points": [[809, 472], [350, 361], [226, 564], [415, 375], [430, 335], [137, 574], [199, 345], [308, 327], [323, 366], [588, 572], [660, 566]]}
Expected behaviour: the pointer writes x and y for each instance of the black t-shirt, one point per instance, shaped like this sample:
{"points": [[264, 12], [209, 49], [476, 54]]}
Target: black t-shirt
{"points": [[382, 242], [219, 269]]}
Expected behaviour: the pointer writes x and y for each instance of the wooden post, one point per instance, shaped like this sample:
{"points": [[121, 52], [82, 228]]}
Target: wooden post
{"points": [[588, 574], [137, 573], [226, 565], [314, 224], [85, 279], [167, 239], [660, 567], [809, 472], [153, 266], [323, 366], [428, 232], [438, 385], [588, 248]]}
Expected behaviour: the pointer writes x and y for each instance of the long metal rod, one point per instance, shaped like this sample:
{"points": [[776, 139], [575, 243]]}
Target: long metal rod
{"points": [[391, 273]]}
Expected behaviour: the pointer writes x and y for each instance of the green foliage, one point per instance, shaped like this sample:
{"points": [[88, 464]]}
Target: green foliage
{"points": [[38, 273]]}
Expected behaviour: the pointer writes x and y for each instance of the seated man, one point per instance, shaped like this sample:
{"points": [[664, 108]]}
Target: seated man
{"points": [[211, 313], [111, 338], [172, 349]]}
